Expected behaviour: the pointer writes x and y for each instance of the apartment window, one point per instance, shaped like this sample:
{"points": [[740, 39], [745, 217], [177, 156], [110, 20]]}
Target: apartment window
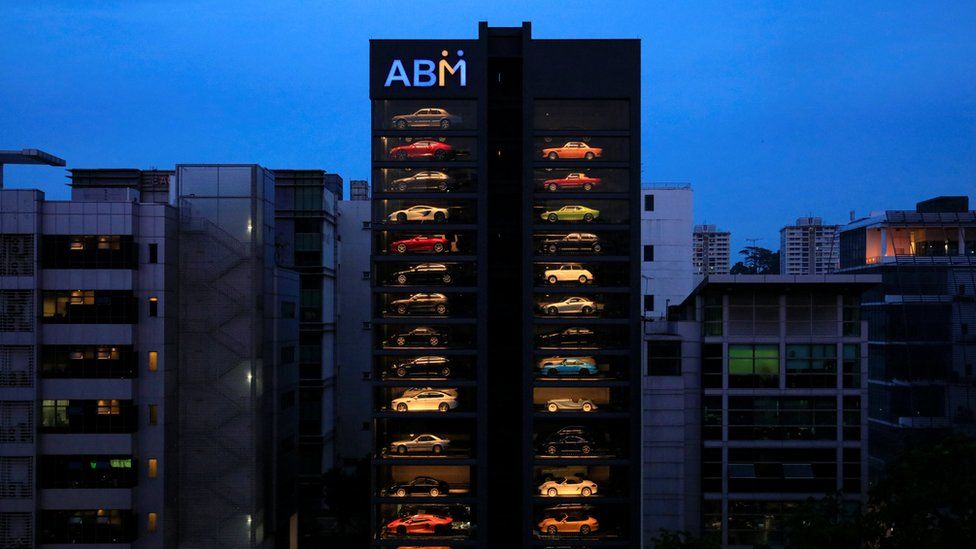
{"points": [[852, 316], [308, 198], [712, 365], [754, 366], [649, 252], [154, 253], [648, 202], [153, 361], [151, 467], [88, 252], [811, 365], [151, 522], [88, 307], [108, 408], [664, 358], [648, 302], [54, 413], [153, 306], [712, 324], [852, 366], [153, 414]]}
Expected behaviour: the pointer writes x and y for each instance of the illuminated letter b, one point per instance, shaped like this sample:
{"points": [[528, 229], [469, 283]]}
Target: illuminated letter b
{"points": [[423, 73]]}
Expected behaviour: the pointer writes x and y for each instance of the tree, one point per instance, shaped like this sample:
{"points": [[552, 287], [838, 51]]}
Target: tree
{"points": [[757, 260], [828, 522], [671, 539]]}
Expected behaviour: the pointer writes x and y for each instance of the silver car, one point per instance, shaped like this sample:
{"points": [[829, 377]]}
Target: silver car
{"points": [[570, 405], [426, 118], [426, 443]]}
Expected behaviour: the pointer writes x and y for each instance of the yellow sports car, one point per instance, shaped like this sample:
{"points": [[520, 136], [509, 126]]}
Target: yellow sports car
{"points": [[571, 212]]}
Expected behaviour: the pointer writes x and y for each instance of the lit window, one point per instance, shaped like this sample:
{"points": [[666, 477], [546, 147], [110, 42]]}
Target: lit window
{"points": [[77, 244], [109, 407], [153, 414], [151, 522], [153, 361], [107, 353], [153, 306], [152, 465]]}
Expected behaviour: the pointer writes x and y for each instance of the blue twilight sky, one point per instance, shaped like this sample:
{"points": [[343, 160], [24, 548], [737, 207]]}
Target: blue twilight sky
{"points": [[772, 110]]}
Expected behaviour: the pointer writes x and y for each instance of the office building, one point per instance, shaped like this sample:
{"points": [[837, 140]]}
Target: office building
{"points": [[922, 345], [359, 189], [506, 297], [808, 247], [755, 389], [666, 245], [711, 251]]}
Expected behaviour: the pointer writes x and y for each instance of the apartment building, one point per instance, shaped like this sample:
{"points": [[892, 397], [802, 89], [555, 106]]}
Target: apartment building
{"points": [[711, 251], [808, 247], [666, 244]]}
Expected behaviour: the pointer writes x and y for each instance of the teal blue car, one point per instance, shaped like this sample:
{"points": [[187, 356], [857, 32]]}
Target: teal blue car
{"points": [[561, 366]]}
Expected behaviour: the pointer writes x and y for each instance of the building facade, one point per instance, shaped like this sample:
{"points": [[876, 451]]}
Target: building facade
{"points": [[505, 291], [666, 244], [711, 251], [764, 378], [921, 319], [808, 247]]}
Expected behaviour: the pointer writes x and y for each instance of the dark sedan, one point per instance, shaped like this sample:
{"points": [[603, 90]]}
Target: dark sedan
{"points": [[423, 366], [419, 486]]}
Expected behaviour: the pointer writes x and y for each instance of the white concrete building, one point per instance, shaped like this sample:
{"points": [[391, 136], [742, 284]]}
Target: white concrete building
{"points": [[666, 238], [808, 247], [711, 251]]}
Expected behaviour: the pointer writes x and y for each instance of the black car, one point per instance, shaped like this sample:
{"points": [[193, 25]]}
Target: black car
{"points": [[422, 336], [420, 303], [568, 337], [428, 486], [558, 445], [423, 366], [424, 273], [573, 242], [422, 181]]}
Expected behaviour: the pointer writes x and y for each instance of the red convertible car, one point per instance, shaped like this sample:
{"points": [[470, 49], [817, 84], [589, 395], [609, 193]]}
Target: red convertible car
{"points": [[575, 180], [435, 243], [421, 523], [424, 148]]}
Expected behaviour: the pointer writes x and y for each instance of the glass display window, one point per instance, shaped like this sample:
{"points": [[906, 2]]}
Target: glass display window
{"points": [[423, 114], [421, 366], [405, 437], [578, 438], [585, 398], [554, 481], [423, 398], [423, 180], [581, 212], [553, 242], [427, 520], [425, 211], [581, 114], [581, 150], [578, 336], [425, 304], [581, 305], [429, 242], [432, 149], [417, 336], [424, 482], [581, 273], [584, 179], [589, 520], [588, 369], [443, 274]]}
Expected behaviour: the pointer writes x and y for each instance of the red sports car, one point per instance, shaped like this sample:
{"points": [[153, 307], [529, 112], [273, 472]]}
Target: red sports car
{"points": [[575, 180], [425, 148], [435, 243], [421, 523]]}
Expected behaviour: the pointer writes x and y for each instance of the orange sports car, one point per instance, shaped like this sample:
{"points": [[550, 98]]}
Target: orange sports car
{"points": [[571, 150], [421, 523], [569, 523]]}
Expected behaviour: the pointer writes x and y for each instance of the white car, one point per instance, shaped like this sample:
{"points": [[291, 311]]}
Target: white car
{"points": [[425, 401], [419, 212], [414, 391], [571, 305], [567, 486], [570, 405], [569, 272]]}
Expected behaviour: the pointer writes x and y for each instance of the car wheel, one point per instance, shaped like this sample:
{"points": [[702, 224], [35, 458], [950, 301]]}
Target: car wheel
{"points": [[553, 187], [597, 248], [401, 449], [400, 124], [401, 372], [552, 492], [401, 155], [442, 186], [401, 530], [585, 529], [447, 279], [553, 218], [401, 217], [402, 187], [552, 530], [401, 309], [552, 373], [587, 407], [401, 407], [401, 248], [401, 493], [586, 449], [437, 449], [401, 279], [586, 492], [439, 216], [434, 492], [552, 279], [587, 217], [583, 279], [439, 155], [552, 407], [553, 249], [401, 341], [445, 372], [445, 124], [584, 372], [552, 311], [443, 407], [441, 309], [434, 340], [440, 530], [589, 156], [553, 156], [551, 450], [587, 186], [586, 310]]}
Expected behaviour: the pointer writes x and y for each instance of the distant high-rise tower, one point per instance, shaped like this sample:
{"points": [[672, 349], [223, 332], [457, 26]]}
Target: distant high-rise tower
{"points": [[711, 250], [358, 189], [808, 247]]}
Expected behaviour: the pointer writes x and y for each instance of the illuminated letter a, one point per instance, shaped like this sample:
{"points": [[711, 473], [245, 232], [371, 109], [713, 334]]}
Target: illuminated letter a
{"points": [[397, 73]]}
